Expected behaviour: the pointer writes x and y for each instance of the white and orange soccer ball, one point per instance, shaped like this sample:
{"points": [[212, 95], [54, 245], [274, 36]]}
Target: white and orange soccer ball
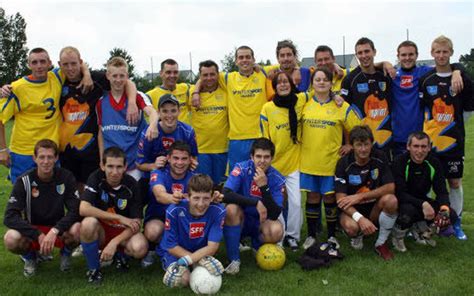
{"points": [[202, 282], [270, 257]]}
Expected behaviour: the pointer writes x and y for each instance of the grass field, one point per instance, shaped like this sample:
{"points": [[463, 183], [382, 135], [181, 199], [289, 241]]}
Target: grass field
{"points": [[446, 269]]}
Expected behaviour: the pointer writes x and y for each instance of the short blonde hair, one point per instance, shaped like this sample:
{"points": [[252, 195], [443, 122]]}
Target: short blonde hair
{"points": [[442, 40], [69, 49], [117, 62]]}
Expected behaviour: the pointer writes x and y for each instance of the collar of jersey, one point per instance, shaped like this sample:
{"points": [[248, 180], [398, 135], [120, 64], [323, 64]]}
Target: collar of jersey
{"points": [[30, 78], [322, 103]]}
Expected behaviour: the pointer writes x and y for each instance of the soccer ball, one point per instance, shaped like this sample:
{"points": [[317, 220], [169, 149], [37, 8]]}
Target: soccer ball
{"points": [[270, 257], [202, 282]]}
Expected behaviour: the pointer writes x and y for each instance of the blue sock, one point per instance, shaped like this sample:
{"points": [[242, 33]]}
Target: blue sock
{"points": [[91, 252], [256, 243], [29, 256], [232, 240], [65, 251]]}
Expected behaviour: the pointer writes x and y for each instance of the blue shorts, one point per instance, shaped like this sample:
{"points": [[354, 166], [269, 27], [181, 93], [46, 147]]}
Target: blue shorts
{"points": [[239, 150], [213, 165], [154, 210], [320, 184], [19, 164]]}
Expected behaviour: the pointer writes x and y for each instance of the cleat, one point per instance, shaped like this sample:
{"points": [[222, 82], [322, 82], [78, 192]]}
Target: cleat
{"points": [[148, 260], [94, 276], [333, 243], [233, 268], [65, 263], [399, 244], [357, 243], [384, 252], [292, 243], [44, 258], [121, 263], [308, 242], [29, 269], [458, 232], [243, 246], [77, 252]]}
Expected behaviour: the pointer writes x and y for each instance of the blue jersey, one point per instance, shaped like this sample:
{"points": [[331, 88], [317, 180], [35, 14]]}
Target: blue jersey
{"points": [[241, 181], [192, 233], [163, 177], [148, 151], [305, 80], [407, 114]]}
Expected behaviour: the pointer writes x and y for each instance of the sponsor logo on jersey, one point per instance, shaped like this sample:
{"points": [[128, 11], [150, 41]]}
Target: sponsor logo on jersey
{"points": [[344, 92], [196, 229], [382, 85], [167, 224], [14, 200], [355, 179], [35, 192], [236, 172], [406, 81], [60, 189], [76, 194], [254, 190], [154, 177], [104, 197], [340, 180], [362, 87], [121, 203], [167, 142], [432, 89], [65, 91], [374, 174], [176, 187]]}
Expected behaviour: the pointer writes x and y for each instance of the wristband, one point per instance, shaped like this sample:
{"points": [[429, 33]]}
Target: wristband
{"points": [[55, 230], [185, 261], [357, 216], [3, 149]]}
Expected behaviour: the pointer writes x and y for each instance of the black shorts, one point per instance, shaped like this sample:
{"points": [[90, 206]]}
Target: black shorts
{"points": [[453, 167], [80, 166], [365, 209]]}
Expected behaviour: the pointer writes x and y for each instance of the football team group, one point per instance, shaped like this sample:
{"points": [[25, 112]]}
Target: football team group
{"points": [[378, 149]]}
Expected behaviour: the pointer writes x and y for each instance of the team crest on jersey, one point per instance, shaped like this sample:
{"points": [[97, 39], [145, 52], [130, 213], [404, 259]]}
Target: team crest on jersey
{"points": [[236, 172], [383, 85], [355, 179], [121, 203], [196, 229], [60, 189], [432, 89], [374, 174], [167, 224], [406, 81], [254, 190], [154, 177], [35, 192], [14, 200], [65, 91], [362, 87], [104, 197], [451, 92], [167, 142], [176, 187]]}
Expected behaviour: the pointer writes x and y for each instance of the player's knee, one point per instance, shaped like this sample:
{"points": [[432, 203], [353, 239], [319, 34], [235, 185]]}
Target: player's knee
{"points": [[73, 235], [11, 239], [89, 226], [351, 228], [153, 230], [233, 214], [272, 232], [390, 203], [138, 247]]}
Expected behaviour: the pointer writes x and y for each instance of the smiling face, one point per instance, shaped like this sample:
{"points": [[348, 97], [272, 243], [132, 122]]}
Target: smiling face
{"points": [[441, 54], [70, 64], [407, 56], [179, 162], [199, 202], [286, 59], [321, 83], [324, 59], [118, 77], [209, 77], [169, 75], [168, 113], [365, 54], [45, 160], [39, 64], [245, 60], [283, 87]]}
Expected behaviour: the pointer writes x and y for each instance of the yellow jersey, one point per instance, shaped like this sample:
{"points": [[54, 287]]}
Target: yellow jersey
{"points": [[246, 97], [210, 122], [35, 105], [323, 125], [182, 92], [275, 125]]}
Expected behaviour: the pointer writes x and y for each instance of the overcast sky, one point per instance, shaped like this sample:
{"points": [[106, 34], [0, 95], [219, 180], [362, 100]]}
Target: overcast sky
{"points": [[210, 29]]}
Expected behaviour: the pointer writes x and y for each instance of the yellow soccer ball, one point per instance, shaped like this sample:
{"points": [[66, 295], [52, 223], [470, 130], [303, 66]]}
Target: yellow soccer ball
{"points": [[270, 257]]}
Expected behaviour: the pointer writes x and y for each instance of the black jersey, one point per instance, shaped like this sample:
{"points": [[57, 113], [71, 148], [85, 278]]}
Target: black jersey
{"points": [[352, 178], [34, 202], [122, 200], [444, 121], [413, 181], [370, 96]]}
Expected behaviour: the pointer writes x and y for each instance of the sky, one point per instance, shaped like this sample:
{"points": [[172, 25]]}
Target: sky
{"points": [[152, 31]]}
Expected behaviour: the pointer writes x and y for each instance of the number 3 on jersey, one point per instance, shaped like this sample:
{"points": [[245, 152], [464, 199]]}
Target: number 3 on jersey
{"points": [[50, 102]]}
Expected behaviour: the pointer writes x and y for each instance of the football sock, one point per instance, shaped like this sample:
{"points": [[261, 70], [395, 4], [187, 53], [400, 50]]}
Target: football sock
{"points": [[331, 217], [29, 256], [232, 241], [386, 222], [456, 199], [65, 251], [91, 252], [313, 217]]}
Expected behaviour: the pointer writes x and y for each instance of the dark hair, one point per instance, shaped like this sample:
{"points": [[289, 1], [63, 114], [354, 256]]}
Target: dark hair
{"points": [[168, 62], [208, 64], [200, 183], [286, 44], [244, 47], [275, 81], [361, 133], [46, 144], [181, 146], [365, 40], [323, 48], [38, 50], [264, 144], [407, 43], [114, 152], [420, 135], [325, 70]]}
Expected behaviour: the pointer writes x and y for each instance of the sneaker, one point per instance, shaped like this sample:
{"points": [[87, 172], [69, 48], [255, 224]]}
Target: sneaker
{"points": [[44, 258], [233, 268], [244, 246], [94, 276], [308, 242], [334, 243], [292, 243], [357, 243], [148, 260], [77, 252], [65, 263], [29, 269], [458, 232], [121, 263], [384, 252], [399, 244]]}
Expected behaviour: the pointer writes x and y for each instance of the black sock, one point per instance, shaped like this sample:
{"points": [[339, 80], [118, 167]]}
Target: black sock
{"points": [[312, 217], [331, 218]]}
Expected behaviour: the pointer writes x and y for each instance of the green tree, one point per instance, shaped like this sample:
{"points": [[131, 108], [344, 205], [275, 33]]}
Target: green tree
{"points": [[467, 60], [120, 52], [228, 63], [13, 50]]}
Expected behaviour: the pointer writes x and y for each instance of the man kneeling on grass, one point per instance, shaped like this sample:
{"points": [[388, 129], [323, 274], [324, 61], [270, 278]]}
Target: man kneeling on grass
{"points": [[35, 211], [193, 230], [112, 210]]}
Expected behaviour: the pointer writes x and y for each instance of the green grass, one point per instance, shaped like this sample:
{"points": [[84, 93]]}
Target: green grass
{"points": [[446, 269]]}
